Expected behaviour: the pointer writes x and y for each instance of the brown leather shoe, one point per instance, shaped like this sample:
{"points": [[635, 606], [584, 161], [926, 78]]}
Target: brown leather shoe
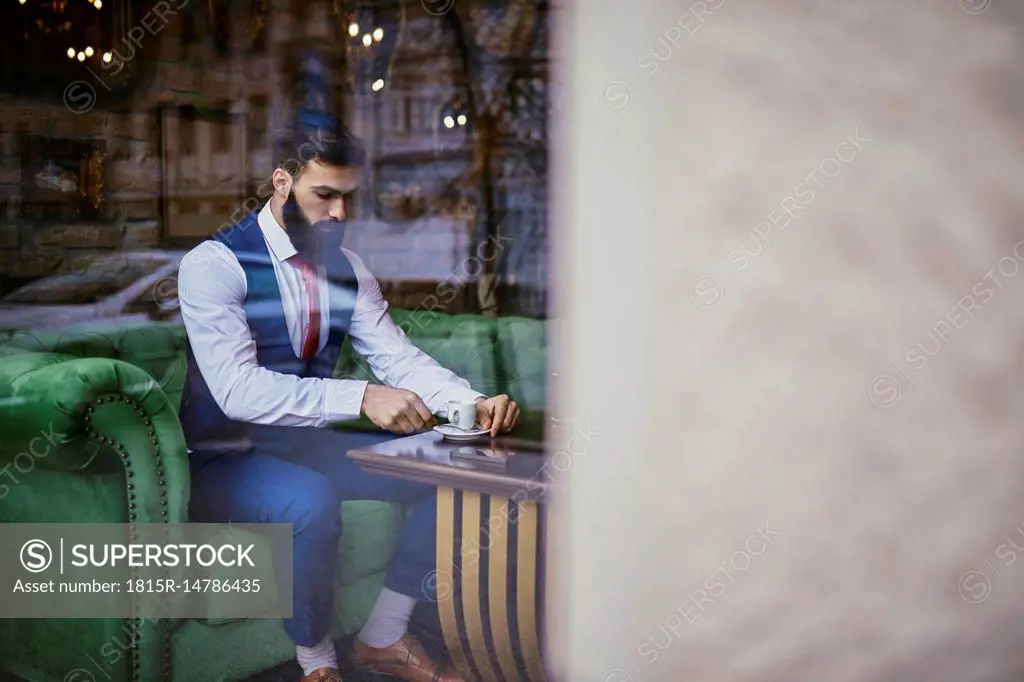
{"points": [[404, 659], [323, 675]]}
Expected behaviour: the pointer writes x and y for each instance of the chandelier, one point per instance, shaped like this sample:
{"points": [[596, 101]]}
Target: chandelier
{"points": [[79, 24], [371, 38]]}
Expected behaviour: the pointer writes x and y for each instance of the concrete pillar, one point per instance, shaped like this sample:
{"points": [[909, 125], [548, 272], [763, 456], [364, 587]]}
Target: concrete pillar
{"points": [[789, 241]]}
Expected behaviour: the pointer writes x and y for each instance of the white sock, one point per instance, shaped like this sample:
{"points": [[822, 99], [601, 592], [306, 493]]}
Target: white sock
{"points": [[321, 655], [389, 620]]}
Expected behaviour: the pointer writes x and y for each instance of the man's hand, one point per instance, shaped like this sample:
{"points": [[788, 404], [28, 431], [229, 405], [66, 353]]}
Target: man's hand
{"points": [[499, 413], [396, 409]]}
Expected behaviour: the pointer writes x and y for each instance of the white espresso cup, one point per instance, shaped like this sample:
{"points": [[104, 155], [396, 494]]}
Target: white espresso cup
{"points": [[462, 414]]}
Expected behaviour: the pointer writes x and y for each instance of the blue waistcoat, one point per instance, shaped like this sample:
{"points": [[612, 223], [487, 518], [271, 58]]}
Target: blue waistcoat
{"points": [[202, 419]]}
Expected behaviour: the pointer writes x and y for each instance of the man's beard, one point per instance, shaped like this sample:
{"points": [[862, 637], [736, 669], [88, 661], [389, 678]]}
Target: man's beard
{"points": [[312, 241]]}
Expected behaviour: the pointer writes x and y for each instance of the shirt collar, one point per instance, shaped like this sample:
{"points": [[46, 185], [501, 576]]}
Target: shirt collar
{"points": [[277, 239]]}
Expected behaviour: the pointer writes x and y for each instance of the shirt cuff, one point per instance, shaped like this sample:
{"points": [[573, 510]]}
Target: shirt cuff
{"points": [[343, 399]]}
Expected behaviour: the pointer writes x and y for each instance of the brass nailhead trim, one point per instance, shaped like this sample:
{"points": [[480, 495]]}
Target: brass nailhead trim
{"points": [[134, 518]]}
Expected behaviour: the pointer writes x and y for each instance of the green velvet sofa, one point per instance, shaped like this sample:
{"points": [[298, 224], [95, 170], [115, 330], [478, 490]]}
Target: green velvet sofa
{"points": [[105, 402]]}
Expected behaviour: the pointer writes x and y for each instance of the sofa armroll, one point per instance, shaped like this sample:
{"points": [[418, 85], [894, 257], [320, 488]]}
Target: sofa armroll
{"points": [[90, 415]]}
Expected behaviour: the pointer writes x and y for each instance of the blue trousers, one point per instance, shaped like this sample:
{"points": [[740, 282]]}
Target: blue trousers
{"points": [[301, 476]]}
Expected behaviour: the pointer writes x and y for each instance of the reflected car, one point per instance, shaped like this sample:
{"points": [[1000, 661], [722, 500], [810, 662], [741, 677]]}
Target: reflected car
{"points": [[120, 289], [110, 289]]}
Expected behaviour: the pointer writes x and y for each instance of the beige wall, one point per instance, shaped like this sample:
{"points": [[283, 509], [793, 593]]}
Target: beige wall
{"points": [[787, 486]]}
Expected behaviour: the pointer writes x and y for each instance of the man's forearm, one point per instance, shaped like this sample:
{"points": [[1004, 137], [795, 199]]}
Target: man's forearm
{"points": [[262, 396]]}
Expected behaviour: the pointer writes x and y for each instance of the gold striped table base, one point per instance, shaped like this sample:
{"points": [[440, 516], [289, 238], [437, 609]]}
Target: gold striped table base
{"points": [[463, 559]]}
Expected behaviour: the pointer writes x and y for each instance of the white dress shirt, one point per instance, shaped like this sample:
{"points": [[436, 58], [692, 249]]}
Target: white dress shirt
{"points": [[211, 290]]}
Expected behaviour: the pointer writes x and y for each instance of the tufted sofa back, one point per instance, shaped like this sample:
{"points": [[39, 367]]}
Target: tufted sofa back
{"points": [[157, 348], [496, 355]]}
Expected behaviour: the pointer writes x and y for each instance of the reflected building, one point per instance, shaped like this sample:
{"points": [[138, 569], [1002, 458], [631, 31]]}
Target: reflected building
{"points": [[158, 138]]}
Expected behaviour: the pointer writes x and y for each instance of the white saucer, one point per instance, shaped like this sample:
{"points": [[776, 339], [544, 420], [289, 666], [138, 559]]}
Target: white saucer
{"points": [[457, 435]]}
